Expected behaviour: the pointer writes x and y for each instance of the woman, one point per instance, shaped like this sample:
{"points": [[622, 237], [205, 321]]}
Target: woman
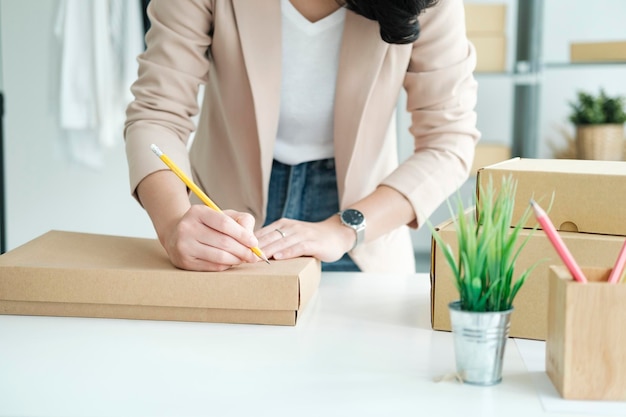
{"points": [[297, 125]]}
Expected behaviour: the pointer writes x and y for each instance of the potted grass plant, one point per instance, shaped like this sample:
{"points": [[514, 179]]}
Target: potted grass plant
{"points": [[599, 121], [483, 269]]}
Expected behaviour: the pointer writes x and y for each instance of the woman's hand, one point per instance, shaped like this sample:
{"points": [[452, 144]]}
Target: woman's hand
{"points": [[327, 240], [195, 237], [206, 240]]}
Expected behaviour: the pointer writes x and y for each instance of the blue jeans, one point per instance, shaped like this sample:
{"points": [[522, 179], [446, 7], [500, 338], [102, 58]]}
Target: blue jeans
{"points": [[307, 192]]}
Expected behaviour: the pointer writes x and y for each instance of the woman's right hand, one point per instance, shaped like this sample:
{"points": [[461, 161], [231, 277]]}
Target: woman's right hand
{"points": [[195, 237], [207, 240]]}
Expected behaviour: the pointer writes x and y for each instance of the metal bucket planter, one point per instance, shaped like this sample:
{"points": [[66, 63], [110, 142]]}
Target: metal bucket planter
{"points": [[479, 343]]}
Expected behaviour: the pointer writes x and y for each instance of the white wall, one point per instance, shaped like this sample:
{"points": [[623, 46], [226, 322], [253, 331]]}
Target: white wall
{"points": [[46, 191]]}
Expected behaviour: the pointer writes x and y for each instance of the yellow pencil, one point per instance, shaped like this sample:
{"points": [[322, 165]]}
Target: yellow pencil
{"points": [[197, 191]]}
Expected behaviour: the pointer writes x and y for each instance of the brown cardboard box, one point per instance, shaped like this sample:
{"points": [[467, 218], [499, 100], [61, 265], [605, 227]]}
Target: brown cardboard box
{"points": [[529, 318], [585, 355], [588, 195], [487, 18], [88, 275], [490, 52], [489, 154], [598, 52]]}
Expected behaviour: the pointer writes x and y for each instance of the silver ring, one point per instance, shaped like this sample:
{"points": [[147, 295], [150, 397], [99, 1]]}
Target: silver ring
{"points": [[281, 232]]}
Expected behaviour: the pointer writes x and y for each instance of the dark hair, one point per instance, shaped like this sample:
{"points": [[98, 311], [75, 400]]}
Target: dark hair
{"points": [[397, 18]]}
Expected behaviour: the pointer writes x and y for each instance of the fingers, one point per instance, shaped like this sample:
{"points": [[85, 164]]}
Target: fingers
{"points": [[203, 258], [206, 240], [287, 238], [244, 219], [235, 225]]}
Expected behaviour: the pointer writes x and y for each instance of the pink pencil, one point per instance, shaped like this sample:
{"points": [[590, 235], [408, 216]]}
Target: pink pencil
{"points": [[558, 243], [618, 269]]}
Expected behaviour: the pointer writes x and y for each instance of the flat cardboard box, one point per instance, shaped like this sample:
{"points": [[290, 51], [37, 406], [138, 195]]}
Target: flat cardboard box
{"points": [[585, 355], [490, 52], [89, 275], [598, 51], [489, 154], [529, 318], [588, 194], [489, 18]]}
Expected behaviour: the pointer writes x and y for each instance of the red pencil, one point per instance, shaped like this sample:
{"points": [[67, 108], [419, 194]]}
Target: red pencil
{"points": [[618, 269], [558, 243]]}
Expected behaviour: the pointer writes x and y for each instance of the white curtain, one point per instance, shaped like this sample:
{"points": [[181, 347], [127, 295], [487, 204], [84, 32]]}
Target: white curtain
{"points": [[100, 41]]}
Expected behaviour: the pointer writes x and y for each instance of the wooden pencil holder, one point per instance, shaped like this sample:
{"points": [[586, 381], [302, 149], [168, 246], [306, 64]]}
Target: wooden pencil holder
{"points": [[586, 343]]}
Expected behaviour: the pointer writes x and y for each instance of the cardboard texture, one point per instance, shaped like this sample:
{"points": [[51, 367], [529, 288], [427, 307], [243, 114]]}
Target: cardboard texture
{"points": [[586, 196], [489, 154], [485, 18], [585, 355], [529, 318], [490, 52], [87, 275], [598, 51]]}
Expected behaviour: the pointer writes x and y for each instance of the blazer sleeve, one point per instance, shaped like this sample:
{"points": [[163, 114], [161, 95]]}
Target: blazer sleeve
{"points": [[171, 69], [441, 98]]}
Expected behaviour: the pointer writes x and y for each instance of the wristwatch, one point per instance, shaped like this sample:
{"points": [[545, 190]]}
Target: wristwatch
{"points": [[355, 220]]}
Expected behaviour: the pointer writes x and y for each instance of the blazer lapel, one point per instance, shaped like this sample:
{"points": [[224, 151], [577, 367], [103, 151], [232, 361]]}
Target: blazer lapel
{"points": [[259, 25], [360, 60]]}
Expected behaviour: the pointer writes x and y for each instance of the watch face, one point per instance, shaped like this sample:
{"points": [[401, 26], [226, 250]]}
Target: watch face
{"points": [[352, 217]]}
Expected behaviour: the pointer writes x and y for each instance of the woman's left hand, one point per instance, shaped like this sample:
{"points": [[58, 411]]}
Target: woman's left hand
{"points": [[327, 240]]}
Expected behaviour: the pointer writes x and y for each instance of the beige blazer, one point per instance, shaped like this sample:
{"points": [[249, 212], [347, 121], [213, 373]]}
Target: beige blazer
{"points": [[234, 47]]}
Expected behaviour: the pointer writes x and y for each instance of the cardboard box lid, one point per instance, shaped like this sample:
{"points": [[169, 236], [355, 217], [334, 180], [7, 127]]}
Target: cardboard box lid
{"points": [[587, 194], [70, 267]]}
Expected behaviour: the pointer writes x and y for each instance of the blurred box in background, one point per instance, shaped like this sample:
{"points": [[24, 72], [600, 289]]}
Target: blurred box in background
{"points": [[490, 52], [485, 17], [489, 154], [598, 51], [486, 29]]}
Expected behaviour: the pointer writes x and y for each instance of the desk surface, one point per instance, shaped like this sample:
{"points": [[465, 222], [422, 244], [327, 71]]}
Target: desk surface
{"points": [[363, 347]]}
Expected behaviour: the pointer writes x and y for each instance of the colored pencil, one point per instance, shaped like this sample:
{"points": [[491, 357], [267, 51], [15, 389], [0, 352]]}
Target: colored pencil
{"points": [[618, 269], [558, 243]]}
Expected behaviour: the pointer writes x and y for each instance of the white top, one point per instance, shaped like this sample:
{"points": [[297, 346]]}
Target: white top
{"points": [[310, 54], [363, 346]]}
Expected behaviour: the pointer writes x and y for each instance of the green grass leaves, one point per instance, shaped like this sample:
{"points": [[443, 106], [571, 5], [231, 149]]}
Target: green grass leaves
{"points": [[488, 247]]}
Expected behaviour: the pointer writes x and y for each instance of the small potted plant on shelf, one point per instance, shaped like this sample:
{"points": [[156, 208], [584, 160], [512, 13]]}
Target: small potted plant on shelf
{"points": [[483, 269], [599, 121]]}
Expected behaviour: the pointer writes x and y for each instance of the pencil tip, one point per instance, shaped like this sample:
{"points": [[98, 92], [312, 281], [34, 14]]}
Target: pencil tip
{"points": [[267, 261]]}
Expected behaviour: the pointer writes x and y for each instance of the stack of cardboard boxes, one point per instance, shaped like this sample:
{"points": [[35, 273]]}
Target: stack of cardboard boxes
{"points": [[587, 210], [486, 24], [486, 29]]}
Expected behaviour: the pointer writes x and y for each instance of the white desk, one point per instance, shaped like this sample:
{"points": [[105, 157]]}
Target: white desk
{"points": [[363, 347]]}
